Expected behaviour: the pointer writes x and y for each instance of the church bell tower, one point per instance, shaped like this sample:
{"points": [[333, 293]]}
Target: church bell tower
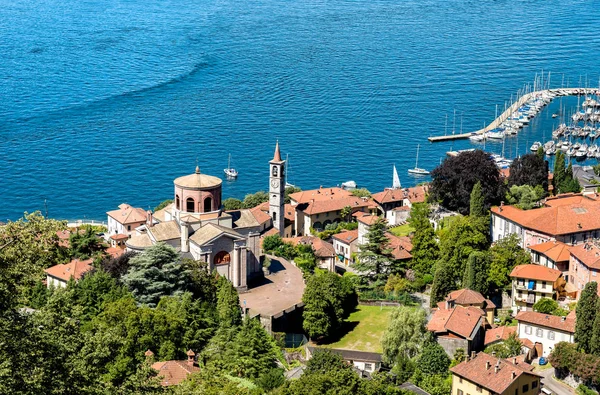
{"points": [[277, 191]]}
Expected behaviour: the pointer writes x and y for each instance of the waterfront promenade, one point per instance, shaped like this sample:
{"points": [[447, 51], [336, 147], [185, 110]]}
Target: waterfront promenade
{"points": [[512, 109]]}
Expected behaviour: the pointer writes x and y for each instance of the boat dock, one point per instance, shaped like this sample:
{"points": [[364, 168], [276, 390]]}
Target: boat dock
{"points": [[512, 109]]}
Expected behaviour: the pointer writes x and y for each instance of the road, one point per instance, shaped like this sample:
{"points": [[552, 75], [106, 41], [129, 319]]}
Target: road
{"points": [[556, 387]]}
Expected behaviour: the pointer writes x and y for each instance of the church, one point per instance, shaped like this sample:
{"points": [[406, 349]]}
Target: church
{"points": [[196, 225]]}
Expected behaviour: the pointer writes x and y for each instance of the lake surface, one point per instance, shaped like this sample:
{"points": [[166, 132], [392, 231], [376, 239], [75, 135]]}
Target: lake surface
{"points": [[104, 102]]}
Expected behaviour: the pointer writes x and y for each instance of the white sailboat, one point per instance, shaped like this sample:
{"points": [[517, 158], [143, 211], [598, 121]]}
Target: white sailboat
{"points": [[417, 169], [230, 172]]}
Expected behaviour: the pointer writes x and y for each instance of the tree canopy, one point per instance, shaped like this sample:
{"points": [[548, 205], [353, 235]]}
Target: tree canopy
{"points": [[453, 181], [425, 247], [529, 169], [525, 197], [587, 309], [404, 335], [374, 260]]}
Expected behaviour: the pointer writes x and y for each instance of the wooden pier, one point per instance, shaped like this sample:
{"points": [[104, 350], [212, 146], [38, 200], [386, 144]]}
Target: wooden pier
{"points": [[522, 100]]}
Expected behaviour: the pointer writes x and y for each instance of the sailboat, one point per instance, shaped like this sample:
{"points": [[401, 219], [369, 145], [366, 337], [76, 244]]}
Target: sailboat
{"points": [[230, 172], [395, 181], [418, 170]]}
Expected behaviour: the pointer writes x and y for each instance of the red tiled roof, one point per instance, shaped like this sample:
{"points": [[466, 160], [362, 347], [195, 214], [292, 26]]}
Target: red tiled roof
{"points": [[588, 254], [333, 204], [259, 215], [322, 248], [370, 219], [347, 236], [547, 320], [482, 371], [500, 333], [75, 269], [389, 196], [555, 250], [401, 246], [321, 194], [127, 214], [115, 251], [559, 216], [465, 297], [527, 343], [536, 272], [460, 320], [173, 372], [418, 194], [120, 236]]}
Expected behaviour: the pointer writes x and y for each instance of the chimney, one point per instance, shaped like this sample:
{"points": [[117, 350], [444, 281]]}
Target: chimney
{"points": [[515, 360], [496, 368], [190, 354], [493, 353], [472, 354], [149, 219], [487, 365], [149, 356], [513, 375], [563, 318]]}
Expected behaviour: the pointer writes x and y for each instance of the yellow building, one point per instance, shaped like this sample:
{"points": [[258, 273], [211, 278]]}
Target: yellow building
{"points": [[488, 375]]}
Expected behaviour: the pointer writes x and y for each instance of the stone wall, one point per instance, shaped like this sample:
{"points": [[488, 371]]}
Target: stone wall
{"points": [[450, 345]]}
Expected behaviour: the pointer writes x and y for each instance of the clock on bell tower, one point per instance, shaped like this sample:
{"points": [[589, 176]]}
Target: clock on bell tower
{"points": [[277, 191]]}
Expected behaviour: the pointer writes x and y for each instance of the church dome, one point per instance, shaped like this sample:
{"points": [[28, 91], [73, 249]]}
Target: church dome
{"points": [[198, 180]]}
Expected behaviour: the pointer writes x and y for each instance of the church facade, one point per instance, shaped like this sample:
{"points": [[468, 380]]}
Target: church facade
{"points": [[197, 226]]}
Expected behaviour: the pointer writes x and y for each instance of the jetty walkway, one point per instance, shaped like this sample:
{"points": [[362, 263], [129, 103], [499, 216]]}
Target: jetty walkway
{"points": [[522, 100]]}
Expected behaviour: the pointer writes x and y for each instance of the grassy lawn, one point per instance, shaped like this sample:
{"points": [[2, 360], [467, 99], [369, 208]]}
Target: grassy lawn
{"points": [[402, 230], [364, 329]]}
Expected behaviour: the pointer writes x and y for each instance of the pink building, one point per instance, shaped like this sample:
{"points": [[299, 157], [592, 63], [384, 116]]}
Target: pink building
{"points": [[584, 265]]}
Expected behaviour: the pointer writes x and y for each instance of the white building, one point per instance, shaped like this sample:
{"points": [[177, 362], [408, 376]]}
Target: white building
{"points": [[369, 362], [545, 330], [59, 275], [125, 220]]}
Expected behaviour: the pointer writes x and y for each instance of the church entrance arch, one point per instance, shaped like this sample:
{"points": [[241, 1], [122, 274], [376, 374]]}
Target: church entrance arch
{"points": [[222, 258], [207, 204]]}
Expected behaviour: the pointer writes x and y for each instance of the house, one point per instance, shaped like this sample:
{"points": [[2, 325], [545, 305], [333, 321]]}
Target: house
{"points": [[553, 254], [531, 283], [498, 335], [588, 180], [545, 330], [369, 362], [173, 372], [459, 327], [318, 208], [568, 218], [401, 247], [488, 375], [125, 220], [467, 297], [396, 203], [584, 266], [324, 251], [345, 245], [59, 275]]}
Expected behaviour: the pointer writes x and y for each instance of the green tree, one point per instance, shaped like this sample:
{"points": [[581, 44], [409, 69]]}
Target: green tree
{"points": [[570, 183], [375, 261], [476, 273], [201, 283], [595, 340], [255, 199], [559, 171], [232, 204], [443, 283], [425, 247], [587, 308], [511, 347], [305, 258], [525, 197], [324, 361], [84, 244], [361, 192], [403, 368], [346, 213], [545, 306], [433, 359], [506, 254], [404, 335], [163, 204], [529, 169], [328, 300], [272, 379], [117, 267], [94, 291], [272, 243], [228, 304], [477, 202], [156, 272]]}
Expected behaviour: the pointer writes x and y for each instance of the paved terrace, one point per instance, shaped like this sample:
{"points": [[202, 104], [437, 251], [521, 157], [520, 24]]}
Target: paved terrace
{"points": [[279, 292]]}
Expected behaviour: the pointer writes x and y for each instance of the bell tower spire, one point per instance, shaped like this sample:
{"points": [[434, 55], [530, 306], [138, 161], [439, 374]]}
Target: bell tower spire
{"points": [[277, 190]]}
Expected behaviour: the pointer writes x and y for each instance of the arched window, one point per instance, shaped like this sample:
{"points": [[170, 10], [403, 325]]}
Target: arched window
{"points": [[190, 205], [318, 226], [222, 258], [274, 216], [207, 204], [177, 202], [274, 171]]}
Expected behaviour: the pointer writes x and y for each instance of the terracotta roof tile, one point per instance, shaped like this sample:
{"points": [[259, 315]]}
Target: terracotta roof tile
{"points": [[75, 269], [389, 196], [464, 320], [536, 272], [588, 254], [438, 320], [401, 246], [347, 236], [555, 250], [370, 219], [127, 214], [119, 236], [321, 194], [333, 204], [173, 372], [115, 251], [465, 297], [498, 334], [547, 320], [482, 371], [559, 216]]}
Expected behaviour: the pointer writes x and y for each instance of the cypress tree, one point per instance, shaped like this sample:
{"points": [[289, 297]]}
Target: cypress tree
{"points": [[477, 203], [443, 283], [595, 342], [425, 247], [476, 272], [586, 315], [559, 171], [228, 304]]}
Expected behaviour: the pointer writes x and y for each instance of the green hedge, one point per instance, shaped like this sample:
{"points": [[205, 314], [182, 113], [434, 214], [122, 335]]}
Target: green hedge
{"points": [[566, 359]]}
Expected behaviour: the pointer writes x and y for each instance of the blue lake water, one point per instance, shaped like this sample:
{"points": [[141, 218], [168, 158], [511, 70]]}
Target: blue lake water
{"points": [[103, 102]]}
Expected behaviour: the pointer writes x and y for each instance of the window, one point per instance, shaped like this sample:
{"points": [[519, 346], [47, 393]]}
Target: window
{"points": [[274, 216], [177, 202], [516, 391], [459, 392], [539, 332], [534, 385], [208, 204], [478, 389], [274, 171], [190, 205], [594, 273], [460, 379], [525, 388], [550, 335], [128, 227], [368, 366], [528, 330], [543, 285]]}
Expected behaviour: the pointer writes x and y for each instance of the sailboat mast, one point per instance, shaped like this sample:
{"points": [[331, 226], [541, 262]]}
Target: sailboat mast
{"points": [[417, 161]]}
